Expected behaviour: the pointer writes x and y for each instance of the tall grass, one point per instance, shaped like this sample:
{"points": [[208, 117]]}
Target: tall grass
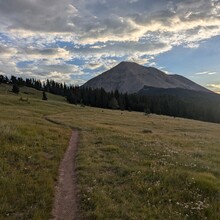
{"points": [[171, 171], [30, 151]]}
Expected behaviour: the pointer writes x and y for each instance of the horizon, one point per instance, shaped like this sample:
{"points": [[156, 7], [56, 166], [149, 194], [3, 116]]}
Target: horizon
{"points": [[73, 41]]}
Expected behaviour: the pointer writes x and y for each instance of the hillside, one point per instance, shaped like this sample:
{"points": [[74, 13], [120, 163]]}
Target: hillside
{"points": [[129, 166], [128, 77], [30, 152], [30, 93], [183, 94]]}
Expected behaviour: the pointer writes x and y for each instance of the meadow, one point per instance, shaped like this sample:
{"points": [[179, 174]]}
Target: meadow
{"points": [[129, 165]]}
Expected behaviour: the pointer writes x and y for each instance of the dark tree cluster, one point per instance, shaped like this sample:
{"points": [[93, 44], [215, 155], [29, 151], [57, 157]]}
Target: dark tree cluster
{"points": [[33, 83], [56, 88], [49, 86], [204, 107], [95, 98], [200, 107]]}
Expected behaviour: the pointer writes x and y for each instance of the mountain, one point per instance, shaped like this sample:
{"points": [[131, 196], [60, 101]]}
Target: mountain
{"points": [[178, 92], [129, 77], [182, 94]]}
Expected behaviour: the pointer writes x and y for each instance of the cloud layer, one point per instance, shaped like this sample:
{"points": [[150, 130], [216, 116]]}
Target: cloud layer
{"points": [[68, 38]]}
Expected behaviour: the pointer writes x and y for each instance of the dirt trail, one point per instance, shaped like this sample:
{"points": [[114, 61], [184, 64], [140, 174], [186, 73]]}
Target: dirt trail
{"points": [[65, 205]]}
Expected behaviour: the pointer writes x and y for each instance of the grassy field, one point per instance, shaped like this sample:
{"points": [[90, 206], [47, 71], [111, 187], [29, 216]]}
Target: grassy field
{"points": [[30, 152], [129, 166]]}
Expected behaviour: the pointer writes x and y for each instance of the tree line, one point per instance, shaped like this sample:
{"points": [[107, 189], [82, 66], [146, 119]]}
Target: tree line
{"points": [[205, 108]]}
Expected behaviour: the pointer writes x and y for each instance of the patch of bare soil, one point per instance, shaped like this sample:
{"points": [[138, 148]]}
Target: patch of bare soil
{"points": [[65, 204]]}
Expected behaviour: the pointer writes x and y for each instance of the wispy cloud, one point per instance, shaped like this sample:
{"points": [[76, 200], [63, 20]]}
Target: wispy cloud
{"points": [[206, 73], [215, 86]]}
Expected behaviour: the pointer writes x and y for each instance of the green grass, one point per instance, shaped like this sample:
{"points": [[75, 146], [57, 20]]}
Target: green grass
{"points": [[171, 172], [129, 166], [30, 93], [30, 152]]}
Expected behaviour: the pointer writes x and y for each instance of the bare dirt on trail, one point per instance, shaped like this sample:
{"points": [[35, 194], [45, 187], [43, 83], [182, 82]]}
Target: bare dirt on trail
{"points": [[65, 204]]}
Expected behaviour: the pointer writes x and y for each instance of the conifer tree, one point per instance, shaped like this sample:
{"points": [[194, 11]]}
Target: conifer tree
{"points": [[44, 96], [15, 89], [113, 104]]}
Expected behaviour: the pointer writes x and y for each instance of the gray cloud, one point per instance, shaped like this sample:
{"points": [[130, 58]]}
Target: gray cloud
{"points": [[35, 15], [99, 29], [107, 20], [119, 20]]}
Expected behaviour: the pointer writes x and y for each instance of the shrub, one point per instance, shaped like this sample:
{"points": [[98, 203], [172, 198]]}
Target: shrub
{"points": [[15, 89]]}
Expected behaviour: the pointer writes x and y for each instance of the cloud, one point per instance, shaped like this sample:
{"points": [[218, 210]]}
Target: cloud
{"points": [[121, 22], [214, 86], [45, 53], [31, 53], [138, 59], [36, 15], [102, 21], [7, 52], [52, 33], [206, 73], [60, 73], [94, 65]]}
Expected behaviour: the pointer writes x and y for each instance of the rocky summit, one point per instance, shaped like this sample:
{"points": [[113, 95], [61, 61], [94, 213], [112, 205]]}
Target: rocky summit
{"points": [[129, 77]]}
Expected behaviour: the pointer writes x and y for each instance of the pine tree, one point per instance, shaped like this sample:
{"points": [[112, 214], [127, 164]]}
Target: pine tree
{"points": [[44, 96], [147, 111], [15, 89], [113, 104]]}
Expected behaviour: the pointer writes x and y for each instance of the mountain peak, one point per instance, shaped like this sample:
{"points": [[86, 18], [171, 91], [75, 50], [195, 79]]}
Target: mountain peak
{"points": [[127, 64], [130, 77]]}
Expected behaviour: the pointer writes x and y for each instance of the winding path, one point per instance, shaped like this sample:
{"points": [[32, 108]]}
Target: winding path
{"points": [[65, 204]]}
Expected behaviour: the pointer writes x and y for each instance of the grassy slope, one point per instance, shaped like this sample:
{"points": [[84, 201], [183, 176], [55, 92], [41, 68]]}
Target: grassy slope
{"points": [[124, 172], [30, 151], [127, 173]]}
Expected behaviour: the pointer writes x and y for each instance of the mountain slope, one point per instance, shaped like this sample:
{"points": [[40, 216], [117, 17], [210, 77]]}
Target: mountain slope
{"points": [[131, 77], [179, 92]]}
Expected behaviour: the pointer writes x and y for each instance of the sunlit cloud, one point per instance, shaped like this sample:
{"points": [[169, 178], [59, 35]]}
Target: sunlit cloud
{"points": [[215, 86], [98, 34]]}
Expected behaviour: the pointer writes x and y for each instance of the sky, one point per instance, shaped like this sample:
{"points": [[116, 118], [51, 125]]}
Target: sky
{"points": [[73, 41]]}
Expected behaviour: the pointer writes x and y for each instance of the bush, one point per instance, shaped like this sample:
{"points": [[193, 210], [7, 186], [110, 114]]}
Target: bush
{"points": [[147, 131], [15, 89]]}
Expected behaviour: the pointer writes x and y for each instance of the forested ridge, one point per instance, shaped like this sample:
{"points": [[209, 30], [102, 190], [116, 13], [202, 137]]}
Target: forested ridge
{"points": [[187, 104]]}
